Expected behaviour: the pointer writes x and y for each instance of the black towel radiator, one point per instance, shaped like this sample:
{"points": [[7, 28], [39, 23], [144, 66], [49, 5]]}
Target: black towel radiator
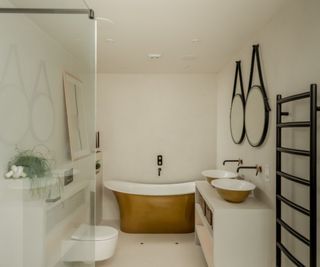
{"points": [[311, 242]]}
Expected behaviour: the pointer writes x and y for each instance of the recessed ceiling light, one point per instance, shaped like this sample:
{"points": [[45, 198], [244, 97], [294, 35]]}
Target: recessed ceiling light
{"points": [[154, 56]]}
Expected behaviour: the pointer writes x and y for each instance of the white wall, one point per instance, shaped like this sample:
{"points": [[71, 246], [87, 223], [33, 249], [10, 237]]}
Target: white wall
{"points": [[143, 115], [32, 112], [291, 61]]}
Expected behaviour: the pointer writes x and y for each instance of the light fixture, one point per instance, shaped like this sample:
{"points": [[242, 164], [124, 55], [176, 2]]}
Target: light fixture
{"points": [[154, 56]]}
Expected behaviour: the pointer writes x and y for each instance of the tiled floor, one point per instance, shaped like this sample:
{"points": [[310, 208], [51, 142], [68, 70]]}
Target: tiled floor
{"points": [[149, 250]]}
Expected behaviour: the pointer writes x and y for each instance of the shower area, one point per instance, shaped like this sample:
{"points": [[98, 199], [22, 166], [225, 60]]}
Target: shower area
{"points": [[47, 133]]}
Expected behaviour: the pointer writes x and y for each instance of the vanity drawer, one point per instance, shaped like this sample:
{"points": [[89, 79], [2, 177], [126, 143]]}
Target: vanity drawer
{"points": [[202, 204], [209, 215]]}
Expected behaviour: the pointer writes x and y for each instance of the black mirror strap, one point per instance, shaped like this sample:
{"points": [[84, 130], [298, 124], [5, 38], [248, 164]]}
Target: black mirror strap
{"points": [[256, 55], [238, 74]]}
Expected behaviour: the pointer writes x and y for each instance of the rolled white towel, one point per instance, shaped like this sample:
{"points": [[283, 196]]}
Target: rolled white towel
{"points": [[14, 168], [9, 174], [19, 172], [16, 172]]}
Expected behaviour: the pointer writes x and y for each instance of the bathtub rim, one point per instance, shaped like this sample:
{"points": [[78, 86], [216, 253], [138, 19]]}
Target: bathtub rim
{"points": [[148, 189]]}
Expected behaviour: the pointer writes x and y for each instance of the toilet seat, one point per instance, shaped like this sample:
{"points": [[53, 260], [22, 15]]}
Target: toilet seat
{"points": [[94, 233]]}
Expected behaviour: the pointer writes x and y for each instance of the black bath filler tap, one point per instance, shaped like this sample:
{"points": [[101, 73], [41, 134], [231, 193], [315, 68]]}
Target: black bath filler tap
{"points": [[159, 162]]}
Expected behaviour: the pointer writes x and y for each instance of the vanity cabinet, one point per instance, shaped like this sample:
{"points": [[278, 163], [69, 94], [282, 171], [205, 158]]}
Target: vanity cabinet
{"points": [[233, 235]]}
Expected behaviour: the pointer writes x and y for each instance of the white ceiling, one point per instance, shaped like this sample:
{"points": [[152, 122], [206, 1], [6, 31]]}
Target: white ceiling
{"points": [[76, 33], [166, 27]]}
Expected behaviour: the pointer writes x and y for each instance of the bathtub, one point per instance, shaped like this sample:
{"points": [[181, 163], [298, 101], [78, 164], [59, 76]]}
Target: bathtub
{"points": [[154, 208]]}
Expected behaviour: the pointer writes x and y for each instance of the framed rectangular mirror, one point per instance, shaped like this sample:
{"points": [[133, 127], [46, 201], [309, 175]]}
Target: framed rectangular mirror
{"points": [[78, 136]]}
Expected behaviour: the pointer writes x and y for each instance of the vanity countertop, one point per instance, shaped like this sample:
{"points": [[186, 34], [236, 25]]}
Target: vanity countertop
{"points": [[215, 202]]}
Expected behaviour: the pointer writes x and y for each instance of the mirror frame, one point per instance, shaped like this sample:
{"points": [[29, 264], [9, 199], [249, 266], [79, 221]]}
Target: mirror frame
{"points": [[266, 117], [256, 55], [238, 74], [72, 85], [243, 134]]}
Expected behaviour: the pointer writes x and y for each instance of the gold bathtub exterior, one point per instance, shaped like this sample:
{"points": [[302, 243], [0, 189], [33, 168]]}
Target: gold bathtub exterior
{"points": [[156, 214]]}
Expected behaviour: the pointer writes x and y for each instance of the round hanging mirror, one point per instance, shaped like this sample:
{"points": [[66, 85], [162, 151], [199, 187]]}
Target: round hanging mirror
{"points": [[256, 116], [237, 119], [237, 128]]}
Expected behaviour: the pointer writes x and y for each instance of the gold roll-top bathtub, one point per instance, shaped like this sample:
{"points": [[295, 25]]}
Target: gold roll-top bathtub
{"points": [[154, 208]]}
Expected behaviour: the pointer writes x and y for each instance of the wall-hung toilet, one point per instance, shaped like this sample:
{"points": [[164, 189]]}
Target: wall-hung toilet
{"points": [[90, 243]]}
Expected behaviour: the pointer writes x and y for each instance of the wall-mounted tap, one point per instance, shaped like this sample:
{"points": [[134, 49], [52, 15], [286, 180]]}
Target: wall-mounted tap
{"points": [[240, 161], [256, 167]]}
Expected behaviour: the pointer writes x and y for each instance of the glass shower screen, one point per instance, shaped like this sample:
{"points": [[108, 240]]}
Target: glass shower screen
{"points": [[47, 135]]}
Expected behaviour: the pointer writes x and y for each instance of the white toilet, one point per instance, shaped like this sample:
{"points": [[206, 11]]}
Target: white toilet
{"points": [[90, 243]]}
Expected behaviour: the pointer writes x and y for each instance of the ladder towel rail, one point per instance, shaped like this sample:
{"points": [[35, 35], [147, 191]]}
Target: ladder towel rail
{"points": [[294, 124], [293, 98], [293, 178], [311, 242]]}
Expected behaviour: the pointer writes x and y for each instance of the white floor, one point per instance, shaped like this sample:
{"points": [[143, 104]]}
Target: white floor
{"points": [[149, 250]]}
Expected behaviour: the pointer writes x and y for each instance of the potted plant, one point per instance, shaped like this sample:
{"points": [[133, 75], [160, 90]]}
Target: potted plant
{"points": [[33, 167]]}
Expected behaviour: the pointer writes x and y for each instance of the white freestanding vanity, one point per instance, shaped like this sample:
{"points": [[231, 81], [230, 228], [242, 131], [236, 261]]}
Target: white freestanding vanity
{"points": [[230, 234]]}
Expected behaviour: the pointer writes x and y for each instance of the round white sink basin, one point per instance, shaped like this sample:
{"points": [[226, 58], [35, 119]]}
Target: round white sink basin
{"points": [[233, 190], [218, 174]]}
